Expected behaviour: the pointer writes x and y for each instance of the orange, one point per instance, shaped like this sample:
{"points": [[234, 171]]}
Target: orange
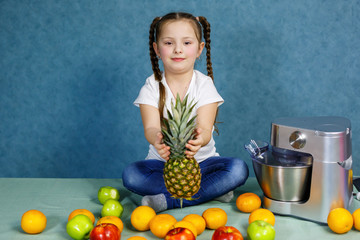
{"points": [[84, 212], [141, 217], [215, 218], [136, 238], [198, 221], [248, 202], [161, 224], [112, 219], [33, 222], [262, 214], [340, 220], [356, 219], [188, 225]]}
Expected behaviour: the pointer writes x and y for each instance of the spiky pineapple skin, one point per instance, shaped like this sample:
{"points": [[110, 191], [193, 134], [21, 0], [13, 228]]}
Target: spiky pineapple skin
{"points": [[182, 177]]}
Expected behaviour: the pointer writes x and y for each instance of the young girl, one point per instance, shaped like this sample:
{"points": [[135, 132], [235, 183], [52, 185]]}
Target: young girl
{"points": [[176, 39]]}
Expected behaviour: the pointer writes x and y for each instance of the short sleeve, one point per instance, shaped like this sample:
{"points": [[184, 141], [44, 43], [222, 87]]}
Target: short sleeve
{"points": [[149, 93], [208, 94]]}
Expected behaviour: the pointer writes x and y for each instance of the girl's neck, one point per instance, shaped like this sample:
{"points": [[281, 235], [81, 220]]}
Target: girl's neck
{"points": [[179, 83], [179, 78]]}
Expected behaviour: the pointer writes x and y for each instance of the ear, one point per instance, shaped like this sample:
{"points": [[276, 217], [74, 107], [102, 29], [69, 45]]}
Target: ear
{"points": [[156, 49], [201, 47]]}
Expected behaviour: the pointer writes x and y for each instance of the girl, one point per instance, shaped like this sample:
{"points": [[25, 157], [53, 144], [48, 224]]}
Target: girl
{"points": [[176, 39]]}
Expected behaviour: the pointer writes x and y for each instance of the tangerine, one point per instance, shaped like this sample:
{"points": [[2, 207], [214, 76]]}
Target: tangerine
{"points": [[198, 221], [136, 238], [262, 214], [188, 225], [356, 219], [248, 202], [161, 224], [214, 218], [141, 217], [84, 212], [112, 219], [340, 220], [33, 221]]}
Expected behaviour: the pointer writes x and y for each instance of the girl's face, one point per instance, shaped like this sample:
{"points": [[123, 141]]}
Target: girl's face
{"points": [[178, 47]]}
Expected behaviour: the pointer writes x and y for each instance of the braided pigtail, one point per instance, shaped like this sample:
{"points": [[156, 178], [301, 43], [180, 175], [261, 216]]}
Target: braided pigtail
{"points": [[153, 56], [156, 68], [206, 31]]}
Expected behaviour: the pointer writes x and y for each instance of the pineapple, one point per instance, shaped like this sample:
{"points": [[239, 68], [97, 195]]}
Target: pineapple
{"points": [[182, 175]]}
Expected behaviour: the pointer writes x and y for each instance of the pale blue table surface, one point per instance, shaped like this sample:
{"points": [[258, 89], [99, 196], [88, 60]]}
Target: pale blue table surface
{"points": [[56, 198]]}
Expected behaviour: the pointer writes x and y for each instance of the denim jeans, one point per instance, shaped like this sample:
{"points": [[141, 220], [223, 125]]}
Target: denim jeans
{"points": [[219, 175]]}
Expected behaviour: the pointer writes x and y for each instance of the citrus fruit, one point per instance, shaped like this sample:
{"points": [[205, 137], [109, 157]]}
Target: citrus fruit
{"points": [[141, 217], [262, 214], [33, 222], [136, 238], [356, 219], [188, 225], [112, 219], [161, 224], [340, 220], [248, 202], [84, 212], [214, 218], [198, 221]]}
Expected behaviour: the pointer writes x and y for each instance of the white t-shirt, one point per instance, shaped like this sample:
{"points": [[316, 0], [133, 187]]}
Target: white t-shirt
{"points": [[201, 89]]}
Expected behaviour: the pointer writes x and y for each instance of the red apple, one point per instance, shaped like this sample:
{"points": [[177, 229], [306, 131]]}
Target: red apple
{"points": [[179, 233], [227, 233], [105, 231]]}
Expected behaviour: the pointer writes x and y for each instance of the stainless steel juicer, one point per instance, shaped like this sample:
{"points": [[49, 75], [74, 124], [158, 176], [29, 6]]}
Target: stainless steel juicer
{"points": [[307, 170]]}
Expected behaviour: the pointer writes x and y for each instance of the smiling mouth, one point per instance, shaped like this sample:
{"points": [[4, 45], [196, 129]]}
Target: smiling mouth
{"points": [[178, 59]]}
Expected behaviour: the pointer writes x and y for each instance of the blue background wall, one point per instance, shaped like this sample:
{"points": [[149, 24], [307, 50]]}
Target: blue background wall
{"points": [[70, 70]]}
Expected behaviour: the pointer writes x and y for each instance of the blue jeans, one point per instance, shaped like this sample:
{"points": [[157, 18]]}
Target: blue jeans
{"points": [[219, 175]]}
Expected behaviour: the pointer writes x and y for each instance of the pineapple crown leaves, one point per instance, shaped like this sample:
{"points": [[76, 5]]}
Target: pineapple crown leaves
{"points": [[178, 129]]}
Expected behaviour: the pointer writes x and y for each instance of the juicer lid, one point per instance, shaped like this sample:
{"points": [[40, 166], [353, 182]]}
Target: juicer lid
{"points": [[325, 124]]}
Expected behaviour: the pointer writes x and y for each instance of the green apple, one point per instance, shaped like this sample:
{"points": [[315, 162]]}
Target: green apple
{"points": [[79, 227], [260, 230], [112, 208], [106, 193]]}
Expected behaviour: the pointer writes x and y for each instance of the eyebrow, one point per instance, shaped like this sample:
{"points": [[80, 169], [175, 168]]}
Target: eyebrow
{"points": [[188, 37]]}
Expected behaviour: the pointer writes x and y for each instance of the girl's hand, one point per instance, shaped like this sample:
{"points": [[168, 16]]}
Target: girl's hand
{"points": [[162, 149], [195, 144]]}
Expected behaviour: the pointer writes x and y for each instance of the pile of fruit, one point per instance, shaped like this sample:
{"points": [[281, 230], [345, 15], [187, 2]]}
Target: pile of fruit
{"points": [[166, 226], [81, 222]]}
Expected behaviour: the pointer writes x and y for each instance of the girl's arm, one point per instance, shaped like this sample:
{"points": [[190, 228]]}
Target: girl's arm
{"points": [[152, 129], [205, 121]]}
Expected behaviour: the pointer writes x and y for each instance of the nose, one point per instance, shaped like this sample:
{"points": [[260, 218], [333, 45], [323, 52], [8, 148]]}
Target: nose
{"points": [[178, 48]]}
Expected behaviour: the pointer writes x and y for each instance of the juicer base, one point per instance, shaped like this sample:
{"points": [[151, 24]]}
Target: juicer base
{"points": [[302, 210]]}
